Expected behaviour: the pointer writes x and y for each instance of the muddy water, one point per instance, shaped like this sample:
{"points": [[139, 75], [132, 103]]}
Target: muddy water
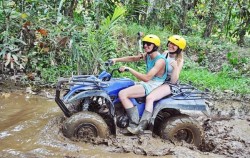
{"points": [[30, 127]]}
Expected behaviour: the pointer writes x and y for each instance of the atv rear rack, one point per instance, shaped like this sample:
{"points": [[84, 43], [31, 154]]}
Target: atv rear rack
{"points": [[188, 92]]}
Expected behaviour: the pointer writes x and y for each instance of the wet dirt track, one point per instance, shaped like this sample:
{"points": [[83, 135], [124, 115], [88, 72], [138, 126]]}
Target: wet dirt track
{"points": [[30, 127]]}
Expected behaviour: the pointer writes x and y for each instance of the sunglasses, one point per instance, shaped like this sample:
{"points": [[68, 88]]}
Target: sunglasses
{"points": [[147, 43], [171, 43]]}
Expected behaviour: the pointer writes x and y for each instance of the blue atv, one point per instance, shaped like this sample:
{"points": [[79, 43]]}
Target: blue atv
{"points": [[93, 109]]}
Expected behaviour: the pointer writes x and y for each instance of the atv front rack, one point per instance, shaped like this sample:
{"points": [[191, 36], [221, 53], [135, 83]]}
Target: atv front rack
{"points": [[58, 100], [86, 80], [188, 92]]}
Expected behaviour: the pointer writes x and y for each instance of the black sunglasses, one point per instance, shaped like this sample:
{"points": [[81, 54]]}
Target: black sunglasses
{"points": [[147, 43], [171, 43]]}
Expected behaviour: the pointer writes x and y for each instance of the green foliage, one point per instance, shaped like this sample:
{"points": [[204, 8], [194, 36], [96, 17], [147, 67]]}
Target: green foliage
{"points": [[58, 38], [51, 74], [233, 58], [136, 10], [238, 64], [47, 47], [215, 81], [96, 44]]}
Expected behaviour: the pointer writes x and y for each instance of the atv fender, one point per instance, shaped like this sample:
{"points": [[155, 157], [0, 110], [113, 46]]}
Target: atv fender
{"points": [[94, 93], [189, 107]]}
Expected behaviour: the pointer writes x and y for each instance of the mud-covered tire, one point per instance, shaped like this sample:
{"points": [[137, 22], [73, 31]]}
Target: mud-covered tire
{"points": [[182, 128], [85, 125]]}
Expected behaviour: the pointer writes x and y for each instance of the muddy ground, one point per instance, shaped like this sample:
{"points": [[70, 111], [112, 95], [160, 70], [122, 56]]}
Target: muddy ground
{"points": [[227, 131], [226, 135]]}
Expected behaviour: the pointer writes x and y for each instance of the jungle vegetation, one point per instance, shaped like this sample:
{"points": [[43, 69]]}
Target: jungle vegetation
{"points": [[48, 39]]}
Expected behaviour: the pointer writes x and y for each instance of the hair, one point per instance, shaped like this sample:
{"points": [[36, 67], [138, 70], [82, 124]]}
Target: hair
{"points": [[179, 57]]}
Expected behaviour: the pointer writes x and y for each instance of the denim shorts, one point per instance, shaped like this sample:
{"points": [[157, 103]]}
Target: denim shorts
{"points": [[150, 85]]}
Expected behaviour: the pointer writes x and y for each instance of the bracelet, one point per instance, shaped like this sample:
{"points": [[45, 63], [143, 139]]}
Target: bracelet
{"points": [[127, 70], [141, 56]]}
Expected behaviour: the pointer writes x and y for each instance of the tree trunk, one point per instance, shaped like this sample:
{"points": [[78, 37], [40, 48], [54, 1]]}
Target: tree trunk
{"points": [[241, 41], [227, 21], [210, 20], [87, 4], [184, 16], [72, 8], [195, 3], [245, 25], [150, 7]]}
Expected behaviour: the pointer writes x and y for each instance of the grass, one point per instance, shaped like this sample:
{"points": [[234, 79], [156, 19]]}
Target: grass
{"points": [[215, 81]]}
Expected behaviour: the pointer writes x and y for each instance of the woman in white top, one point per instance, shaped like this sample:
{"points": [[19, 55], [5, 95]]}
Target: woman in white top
{"points": [[176, 44]]}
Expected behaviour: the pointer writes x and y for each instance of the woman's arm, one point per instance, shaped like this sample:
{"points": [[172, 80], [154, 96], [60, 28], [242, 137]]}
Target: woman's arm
{"points": [[160, 64], [176, 71], [129, 58]]}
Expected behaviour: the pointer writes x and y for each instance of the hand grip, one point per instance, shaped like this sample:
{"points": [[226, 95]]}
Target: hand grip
{"points": [[109, 63], [125, 70]]}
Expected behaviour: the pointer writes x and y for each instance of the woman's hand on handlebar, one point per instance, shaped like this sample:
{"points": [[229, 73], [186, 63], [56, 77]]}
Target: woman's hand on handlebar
{"points": [[112, 61], [124, 68]]}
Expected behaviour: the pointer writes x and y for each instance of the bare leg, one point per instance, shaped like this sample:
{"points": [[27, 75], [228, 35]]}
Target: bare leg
{"points": [[135, 91], [155, 95]]}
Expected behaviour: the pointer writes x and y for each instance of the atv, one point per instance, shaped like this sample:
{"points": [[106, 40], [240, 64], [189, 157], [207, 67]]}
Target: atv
{"points": [[93, 109]]}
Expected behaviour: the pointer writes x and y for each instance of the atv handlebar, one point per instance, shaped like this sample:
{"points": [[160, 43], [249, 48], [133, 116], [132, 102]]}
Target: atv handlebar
{"points": [[109, 63]]}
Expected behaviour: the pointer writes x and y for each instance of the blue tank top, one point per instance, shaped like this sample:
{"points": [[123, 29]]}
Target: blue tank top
{"points": [[150, 64]]}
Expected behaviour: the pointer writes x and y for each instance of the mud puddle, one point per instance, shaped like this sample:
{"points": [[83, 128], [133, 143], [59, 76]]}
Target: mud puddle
{"points": [[30, 127]]}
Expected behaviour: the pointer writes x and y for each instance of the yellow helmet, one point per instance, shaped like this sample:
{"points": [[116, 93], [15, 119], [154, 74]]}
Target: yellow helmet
{"points": [[178, 40], [152, 39]]}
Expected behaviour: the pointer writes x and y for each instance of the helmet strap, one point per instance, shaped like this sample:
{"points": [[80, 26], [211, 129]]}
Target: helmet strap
{"points": [[178, 51], [153, 50]]}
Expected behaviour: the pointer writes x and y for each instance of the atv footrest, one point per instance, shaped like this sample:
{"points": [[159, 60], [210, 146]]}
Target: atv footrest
{"points": [[147, 132]]}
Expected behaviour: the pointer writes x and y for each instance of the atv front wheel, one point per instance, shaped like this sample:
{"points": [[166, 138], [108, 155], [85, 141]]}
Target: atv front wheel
{"points": [[182, 128], [85, 125]]}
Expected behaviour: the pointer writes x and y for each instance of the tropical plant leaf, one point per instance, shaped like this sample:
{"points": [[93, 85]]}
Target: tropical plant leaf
{"points": [[59, 15], [8, 59]]}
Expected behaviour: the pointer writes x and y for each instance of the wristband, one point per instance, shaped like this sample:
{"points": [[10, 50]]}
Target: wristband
{"points": [[141, 56]]}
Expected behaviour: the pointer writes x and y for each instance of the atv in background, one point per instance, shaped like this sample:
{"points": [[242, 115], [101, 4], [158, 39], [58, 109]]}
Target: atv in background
{"points": [[93, 109]]}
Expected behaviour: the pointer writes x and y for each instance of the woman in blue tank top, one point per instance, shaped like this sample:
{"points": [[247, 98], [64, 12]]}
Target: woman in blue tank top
{"points": [[174, 56], [155, 76]]}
